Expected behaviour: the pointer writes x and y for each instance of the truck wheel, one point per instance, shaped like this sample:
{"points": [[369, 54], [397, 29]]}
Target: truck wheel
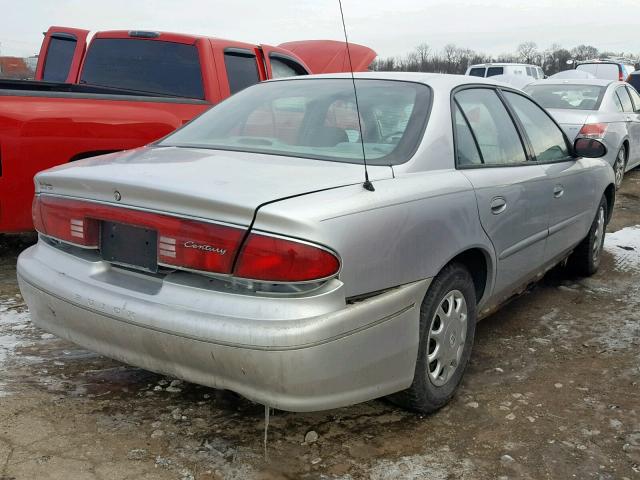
{"points": [[447, 328], [585, 259]]}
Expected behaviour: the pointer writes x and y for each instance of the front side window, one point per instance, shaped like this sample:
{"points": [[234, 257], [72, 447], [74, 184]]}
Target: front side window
{"points": [[149, 66], [495, 132], [284, 67], [546, 138], [477, 72], [567, 96], [625, 99], [59, 58], [242, 70], [316, 119], [493, 71]]}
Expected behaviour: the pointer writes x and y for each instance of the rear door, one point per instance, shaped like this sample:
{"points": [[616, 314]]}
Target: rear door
{"points": [[570, 185], [510, 188], [61, 54], [634, 128], [631, 122]]}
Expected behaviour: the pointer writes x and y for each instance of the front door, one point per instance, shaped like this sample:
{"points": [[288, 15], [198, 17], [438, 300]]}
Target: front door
{"points": [[510, 188], [569, 181], [61, 54]]}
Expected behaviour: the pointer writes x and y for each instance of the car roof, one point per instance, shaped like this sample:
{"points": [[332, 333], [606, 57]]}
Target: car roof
{"points": [[503, 64], [436, 80], [601, 82]]}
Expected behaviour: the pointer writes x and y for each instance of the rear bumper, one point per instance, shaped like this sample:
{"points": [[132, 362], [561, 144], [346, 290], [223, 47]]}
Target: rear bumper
{"points": [[302, 353]]}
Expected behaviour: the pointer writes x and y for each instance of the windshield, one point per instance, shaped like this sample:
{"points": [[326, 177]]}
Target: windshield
{"points": [[568, 97], [150, 66], [607, 71], [316, 118]]}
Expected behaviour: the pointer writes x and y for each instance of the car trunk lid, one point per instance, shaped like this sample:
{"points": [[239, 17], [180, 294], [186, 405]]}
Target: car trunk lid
{"points": [[211, 184], [571, 121]]}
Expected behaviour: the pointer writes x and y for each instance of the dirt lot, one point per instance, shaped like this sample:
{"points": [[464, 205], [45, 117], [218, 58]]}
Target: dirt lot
{"points": [[553, 391]]}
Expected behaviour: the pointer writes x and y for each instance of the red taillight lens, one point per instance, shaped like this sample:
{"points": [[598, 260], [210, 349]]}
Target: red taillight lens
{"points": [[593, 130], [65, 220], [183, 243], [275, 259], [620, 76]]}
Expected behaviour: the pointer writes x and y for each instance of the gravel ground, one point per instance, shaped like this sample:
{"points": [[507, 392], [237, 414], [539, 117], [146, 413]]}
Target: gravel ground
{"points": [[552, 391]]}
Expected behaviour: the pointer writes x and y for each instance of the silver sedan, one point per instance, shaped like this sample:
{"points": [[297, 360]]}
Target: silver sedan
{"points": [[254, 250], [593, 108]]}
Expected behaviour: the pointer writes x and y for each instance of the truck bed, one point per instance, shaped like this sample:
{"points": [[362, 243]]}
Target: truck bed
{"points": [[43, 124]]}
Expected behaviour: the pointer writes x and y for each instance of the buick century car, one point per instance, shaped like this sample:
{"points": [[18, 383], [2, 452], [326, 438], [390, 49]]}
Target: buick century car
{"points": [[246, 252]]}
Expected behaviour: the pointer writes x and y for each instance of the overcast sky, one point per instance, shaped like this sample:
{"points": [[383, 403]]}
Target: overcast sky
{"points": [[391, 27]]}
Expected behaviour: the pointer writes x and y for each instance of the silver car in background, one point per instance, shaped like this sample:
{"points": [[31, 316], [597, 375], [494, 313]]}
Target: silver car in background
{"points": [[246, 252], [603, 109]]}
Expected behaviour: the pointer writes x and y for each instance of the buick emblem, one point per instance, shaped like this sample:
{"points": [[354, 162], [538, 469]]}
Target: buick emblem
{"points": [[117, 196]]}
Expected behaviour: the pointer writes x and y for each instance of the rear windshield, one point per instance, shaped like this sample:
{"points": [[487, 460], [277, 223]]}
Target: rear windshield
{"points": [[570, 97], [149, 66], [316, 118], [493, 71], [607, 71]]}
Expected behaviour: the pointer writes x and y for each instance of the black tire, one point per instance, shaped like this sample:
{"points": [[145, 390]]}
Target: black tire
{"points": [[425, 395], [620, 165], [585, 259]]}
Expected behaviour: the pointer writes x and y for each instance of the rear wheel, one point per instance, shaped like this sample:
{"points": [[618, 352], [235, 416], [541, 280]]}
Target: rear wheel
{"points": [[447, 328], [585, 259], [619, 166]]}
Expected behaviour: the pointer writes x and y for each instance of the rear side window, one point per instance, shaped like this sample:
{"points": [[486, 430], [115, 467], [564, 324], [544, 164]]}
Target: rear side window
{"points": [[530, 72], [149, 66], [284, 67], [635, 97], [466, 149], [492, 127], [59, 58], [546, 138], [493, 71], [242, 70], [627, 106], [477, 72]]}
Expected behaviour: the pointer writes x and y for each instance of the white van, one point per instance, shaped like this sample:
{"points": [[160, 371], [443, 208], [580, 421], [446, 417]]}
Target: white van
{"points": [[493, 69]]}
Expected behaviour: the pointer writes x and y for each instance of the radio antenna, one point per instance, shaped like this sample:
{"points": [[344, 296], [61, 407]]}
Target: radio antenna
{"points": [[367, 184]]}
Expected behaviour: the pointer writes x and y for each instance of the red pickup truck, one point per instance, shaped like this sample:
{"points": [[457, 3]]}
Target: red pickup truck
{"points": [[126, 89]]}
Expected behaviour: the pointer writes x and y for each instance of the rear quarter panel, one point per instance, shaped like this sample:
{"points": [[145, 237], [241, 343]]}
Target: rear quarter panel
{"points": [[40, 131], [406, 230]]}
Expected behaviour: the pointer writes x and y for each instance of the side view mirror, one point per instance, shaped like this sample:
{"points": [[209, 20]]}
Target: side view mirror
{"points": [[570, 61], [589, 148]]}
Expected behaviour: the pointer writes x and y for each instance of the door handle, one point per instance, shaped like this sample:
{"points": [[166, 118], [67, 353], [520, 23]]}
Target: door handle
{"points": [[558, 191], [498, 205]]}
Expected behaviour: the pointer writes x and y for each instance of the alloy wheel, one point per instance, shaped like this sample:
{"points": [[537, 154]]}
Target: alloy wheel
{"points": [[619, 167], [598, 235], [447, 337]]}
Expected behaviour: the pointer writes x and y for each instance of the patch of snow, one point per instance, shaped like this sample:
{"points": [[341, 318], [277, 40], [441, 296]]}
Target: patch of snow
{"points": [[422, 467], [624, 245]]}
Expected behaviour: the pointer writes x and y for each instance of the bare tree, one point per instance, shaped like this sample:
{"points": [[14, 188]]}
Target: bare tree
{"points": [[584, 52], [527, 51]]}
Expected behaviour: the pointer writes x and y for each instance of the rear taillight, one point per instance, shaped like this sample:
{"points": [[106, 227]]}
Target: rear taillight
{"points": [[593, 130], [65, 220], [275, 259], [189, 244], [182, 242], [620, 75]]}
